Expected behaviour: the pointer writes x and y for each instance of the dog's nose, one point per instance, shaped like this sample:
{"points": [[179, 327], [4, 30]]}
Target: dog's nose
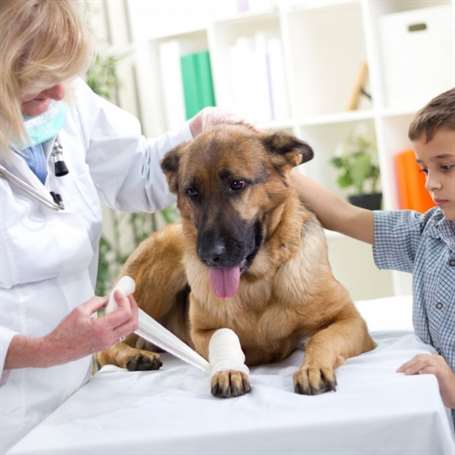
{"points": [[214, 256]]}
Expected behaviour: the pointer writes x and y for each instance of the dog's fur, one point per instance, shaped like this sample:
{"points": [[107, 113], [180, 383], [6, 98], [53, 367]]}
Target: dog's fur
{"points": [[238, 208]]}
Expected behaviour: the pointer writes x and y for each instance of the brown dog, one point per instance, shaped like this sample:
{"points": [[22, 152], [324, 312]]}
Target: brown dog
{"points": [[247, 256]]}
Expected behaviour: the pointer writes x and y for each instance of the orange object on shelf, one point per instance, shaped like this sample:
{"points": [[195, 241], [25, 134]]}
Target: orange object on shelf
{"points": [[411, 183]]}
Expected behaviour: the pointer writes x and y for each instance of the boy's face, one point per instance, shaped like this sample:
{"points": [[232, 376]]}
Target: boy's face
{"points": [[436, 158]]}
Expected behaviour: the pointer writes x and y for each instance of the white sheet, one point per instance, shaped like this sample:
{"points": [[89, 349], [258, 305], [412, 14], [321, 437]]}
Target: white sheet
{"points": [[374, 411]]}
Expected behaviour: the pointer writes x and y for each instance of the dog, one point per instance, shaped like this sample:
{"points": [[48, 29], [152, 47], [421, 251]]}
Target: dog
{"points": [[247, 255]]}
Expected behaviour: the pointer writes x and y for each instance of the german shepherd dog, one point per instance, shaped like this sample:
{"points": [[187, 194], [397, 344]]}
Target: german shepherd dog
{"points": [[247, 256]]}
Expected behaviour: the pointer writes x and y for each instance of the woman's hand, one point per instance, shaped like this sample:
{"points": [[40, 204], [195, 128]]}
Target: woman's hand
{"points": [[81, 333], [437, 365], [212, 116]]}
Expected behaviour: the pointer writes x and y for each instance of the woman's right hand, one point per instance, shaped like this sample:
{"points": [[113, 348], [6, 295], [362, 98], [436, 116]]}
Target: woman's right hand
{"points": [[78, 335], [81, 333]]}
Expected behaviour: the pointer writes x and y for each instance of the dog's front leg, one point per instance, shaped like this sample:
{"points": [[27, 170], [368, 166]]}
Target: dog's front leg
{"points": [[229, 374], [326, 350], [127, 355]]}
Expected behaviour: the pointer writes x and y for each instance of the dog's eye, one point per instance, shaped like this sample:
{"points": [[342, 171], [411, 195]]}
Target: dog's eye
{"points": [[237, 185], [192, 192]]}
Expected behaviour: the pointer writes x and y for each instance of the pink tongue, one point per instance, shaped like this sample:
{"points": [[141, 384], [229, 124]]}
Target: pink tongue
{"points": [[224, 281]]}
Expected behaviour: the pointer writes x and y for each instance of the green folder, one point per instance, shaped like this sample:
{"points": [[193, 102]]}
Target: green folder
{"points": [[206, 92], [197, 82]]}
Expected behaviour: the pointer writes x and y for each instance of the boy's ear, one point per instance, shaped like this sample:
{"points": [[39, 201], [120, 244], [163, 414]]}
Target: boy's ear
{"points": [[287, 150], [170, 166]]}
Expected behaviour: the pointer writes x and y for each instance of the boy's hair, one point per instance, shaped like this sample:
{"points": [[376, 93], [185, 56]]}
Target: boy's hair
{"points": [[438, 113]]}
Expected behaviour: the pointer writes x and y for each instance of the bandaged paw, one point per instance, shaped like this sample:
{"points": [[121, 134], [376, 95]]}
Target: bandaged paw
{"points": [[225, 352], [126, 286]]}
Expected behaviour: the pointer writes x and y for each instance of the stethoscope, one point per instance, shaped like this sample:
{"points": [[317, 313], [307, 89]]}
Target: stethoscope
{"points": [[60, 170]]}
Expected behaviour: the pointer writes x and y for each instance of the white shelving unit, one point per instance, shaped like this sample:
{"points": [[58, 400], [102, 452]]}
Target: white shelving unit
{"points": [[324, 43]]}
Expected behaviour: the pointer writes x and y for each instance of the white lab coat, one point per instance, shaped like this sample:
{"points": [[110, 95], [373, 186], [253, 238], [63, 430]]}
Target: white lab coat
{"points": [[48, 259]]}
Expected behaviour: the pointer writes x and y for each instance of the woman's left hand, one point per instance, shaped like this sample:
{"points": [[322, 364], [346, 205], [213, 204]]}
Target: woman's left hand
{"points": [[212, 116], [437, 365]]}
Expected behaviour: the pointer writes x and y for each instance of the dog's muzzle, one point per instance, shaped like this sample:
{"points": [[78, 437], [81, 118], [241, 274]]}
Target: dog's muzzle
{"points": [[227, 258]]}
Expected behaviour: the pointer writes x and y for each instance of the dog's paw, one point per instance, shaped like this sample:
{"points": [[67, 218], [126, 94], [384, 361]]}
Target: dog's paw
{"points": [[143, 361], [227, 384], [313, 380]]}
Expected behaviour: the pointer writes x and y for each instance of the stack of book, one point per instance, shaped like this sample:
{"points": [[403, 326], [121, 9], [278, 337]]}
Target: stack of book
{"points": [[258, 84], [411, 183]]}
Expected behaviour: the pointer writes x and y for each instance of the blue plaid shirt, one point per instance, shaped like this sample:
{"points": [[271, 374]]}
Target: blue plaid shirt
{"points": [[424, 245]]}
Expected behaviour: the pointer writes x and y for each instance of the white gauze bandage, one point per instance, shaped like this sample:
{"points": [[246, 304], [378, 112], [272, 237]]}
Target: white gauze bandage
{"points": [[153, 332], [225, 352], [126, 286]]}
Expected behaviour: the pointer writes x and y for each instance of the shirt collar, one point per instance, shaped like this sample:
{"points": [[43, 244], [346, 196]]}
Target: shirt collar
{"points": [[443, 229]]}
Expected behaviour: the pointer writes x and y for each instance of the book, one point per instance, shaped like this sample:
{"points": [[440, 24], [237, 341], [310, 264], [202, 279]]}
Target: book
{"points": [[171, 81], [260, 94], [252, 71], [197, 82], [359, 87], [277, 80], [242, 79], [205, 80], [412, 193]]}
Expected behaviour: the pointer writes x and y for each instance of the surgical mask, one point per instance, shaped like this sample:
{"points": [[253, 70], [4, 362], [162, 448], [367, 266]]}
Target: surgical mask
{"points": [[41, 128]]}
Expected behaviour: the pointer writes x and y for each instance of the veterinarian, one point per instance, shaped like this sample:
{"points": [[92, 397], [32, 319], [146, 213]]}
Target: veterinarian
{"points": [[422, 244], [63, 151]]}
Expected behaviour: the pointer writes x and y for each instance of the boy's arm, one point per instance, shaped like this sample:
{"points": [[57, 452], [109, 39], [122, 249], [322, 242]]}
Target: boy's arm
{"points": [[334, 212]]}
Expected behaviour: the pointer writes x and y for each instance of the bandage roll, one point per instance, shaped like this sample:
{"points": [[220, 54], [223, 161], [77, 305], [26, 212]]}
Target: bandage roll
{"points": [[126, 286], [225, 352], [154, 332]]}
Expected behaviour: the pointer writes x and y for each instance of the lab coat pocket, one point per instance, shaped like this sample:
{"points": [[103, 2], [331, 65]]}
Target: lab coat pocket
{"points": [[40, 248]]}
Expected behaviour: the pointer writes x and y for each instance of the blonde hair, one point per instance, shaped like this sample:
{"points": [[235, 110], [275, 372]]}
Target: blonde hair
{"points": [[43, 42]]}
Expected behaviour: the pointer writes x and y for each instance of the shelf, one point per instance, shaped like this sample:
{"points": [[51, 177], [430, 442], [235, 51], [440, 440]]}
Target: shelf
{"points": [[391, 113], [341, 117], [382, 7], [314, 51], [246, 17], [181, 34], [322, 74], [276, 125], [319, 4]]}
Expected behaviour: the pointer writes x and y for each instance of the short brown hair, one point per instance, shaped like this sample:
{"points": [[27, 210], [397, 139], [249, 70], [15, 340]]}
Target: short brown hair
{"points": [[438, 113]]}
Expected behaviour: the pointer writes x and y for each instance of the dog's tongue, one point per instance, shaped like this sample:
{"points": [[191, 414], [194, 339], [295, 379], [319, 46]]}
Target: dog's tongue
{"points": [[224, 281]]}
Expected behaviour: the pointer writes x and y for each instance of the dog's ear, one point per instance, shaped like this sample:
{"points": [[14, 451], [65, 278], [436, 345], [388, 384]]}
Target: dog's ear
{"points": [[286, 149], [170, 166]]}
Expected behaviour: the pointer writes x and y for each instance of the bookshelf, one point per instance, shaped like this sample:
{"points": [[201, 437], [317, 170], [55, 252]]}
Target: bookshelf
{"points": [[320, 46]]}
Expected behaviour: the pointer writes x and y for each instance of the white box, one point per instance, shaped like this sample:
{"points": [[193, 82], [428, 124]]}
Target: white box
{"points": [[417, 56]]}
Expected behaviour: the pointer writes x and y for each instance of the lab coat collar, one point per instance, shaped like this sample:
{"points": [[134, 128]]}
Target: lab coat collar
{"points": [[17, 166]]}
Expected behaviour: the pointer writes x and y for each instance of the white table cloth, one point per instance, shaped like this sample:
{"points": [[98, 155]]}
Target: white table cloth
{"points": [[374, 411]]}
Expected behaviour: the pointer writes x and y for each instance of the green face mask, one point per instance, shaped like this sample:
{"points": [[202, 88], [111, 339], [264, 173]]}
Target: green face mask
{"points": [[41, 128]]}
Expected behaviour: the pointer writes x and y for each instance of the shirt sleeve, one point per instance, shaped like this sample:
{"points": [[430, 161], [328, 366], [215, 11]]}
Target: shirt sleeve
{"points": [[125, 165], [6, 335], [397, 235]]}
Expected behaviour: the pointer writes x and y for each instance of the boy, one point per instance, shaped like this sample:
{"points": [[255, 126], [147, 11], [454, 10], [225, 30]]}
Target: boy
{"points": [[423, 244]]}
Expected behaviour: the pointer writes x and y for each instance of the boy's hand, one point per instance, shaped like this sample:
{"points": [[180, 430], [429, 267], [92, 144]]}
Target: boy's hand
{"points": [[434, 364]]}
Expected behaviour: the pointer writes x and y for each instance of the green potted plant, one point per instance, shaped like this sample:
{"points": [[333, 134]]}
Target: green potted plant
{"points": [[358, 170]]}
